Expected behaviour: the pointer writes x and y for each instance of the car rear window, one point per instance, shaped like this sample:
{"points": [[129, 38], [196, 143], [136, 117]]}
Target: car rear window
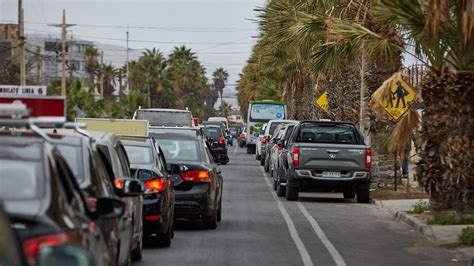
{"points": [[273, 126], [139, 154], [183, 119], [327, 133], [214, 133], [179, 150], [73, 156], [20, 179], [187, 132]]}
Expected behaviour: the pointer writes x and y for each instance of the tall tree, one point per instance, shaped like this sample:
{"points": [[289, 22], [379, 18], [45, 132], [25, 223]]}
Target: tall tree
{"points": [[219, 77], [91, 56]]}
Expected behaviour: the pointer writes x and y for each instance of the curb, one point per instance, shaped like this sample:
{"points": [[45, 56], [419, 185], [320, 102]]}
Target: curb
{"points": [[418, 226]]}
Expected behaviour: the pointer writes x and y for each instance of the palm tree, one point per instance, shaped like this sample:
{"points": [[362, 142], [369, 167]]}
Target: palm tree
{"points": [[151, 67], [219, 78], [442, 37], [91, 56], [108, 75], [225, 109]]}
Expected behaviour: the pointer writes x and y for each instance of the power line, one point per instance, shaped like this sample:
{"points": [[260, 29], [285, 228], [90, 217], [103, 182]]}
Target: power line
{"points": [[182, 29], [151, 41]]}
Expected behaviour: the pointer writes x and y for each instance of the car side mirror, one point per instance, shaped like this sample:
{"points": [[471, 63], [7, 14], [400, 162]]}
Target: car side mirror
{"points": [[175, 169], [109, 208], [128, 187], [64, 255], [143, 174], [281, 143]]}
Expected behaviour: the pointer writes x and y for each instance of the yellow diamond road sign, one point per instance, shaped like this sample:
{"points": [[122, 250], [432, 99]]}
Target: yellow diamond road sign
{"points": [[399, 100], [322, 101]]}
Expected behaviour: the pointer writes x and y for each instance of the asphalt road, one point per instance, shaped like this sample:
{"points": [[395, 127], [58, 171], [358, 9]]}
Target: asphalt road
{"points": [[257, 228]]}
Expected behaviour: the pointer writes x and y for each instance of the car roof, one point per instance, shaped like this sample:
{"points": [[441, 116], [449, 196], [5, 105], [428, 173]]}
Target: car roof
{"points": [[22, 138], [165, 110], [171, 135], [132, 141]]}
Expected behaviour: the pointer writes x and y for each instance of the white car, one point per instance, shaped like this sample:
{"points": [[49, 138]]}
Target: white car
{"points": [[275, 150], [261, 143], [267, 135]]}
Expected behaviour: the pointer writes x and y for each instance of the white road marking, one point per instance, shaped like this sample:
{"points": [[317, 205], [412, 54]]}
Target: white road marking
{"points": [[322, 236], [291, 226], [235, 149]]}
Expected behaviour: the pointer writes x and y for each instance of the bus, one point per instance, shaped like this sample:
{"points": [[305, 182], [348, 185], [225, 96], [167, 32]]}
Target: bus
{"points": [[259, 113]]}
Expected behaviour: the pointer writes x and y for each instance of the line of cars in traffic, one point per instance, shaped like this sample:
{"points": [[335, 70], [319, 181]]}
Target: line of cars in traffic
{"points": [[93, 192], [321, 155]]}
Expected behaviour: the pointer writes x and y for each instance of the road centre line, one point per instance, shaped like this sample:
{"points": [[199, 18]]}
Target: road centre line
{"points": [[235, 149], [322, 236], [291, 226]]}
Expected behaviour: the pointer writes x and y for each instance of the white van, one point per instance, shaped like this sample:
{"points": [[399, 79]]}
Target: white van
{"points": [[220, 119]]}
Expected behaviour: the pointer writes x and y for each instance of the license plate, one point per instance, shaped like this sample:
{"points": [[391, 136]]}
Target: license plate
{"points": [[331, 174]]}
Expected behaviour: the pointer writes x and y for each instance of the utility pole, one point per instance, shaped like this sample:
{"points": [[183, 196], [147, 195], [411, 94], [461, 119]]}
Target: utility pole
{"points": [[128, 70], [101, 75], [363, 121], [63, 27], [38, 66], [21, 26]]}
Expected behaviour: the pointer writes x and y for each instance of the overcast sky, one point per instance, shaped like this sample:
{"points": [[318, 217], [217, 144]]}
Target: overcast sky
{"points": [[220, 31]]}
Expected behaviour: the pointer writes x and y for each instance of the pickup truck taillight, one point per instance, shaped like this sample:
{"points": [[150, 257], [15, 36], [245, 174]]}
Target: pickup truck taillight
{"points": [[296, 156], [222, 140], [368, 159]]}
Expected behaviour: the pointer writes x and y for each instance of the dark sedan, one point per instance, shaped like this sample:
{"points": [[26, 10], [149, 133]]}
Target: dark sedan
{"points": [[148, 165], [198, 188], [217, 141]]}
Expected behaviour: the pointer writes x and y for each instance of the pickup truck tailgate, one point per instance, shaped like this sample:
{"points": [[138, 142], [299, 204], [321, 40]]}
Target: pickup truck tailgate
{"points": [[338, 157]]}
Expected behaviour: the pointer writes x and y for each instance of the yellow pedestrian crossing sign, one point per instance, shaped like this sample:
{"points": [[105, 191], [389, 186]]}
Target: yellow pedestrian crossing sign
{"points": [[399, 100], [322, 101]]}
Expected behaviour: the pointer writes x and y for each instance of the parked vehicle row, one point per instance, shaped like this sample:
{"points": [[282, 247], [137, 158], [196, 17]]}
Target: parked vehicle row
{"points": [[101, 192], [315, 156]]}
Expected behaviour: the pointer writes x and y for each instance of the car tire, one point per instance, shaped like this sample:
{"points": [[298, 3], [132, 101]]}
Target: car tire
{"points": [[363, 193], [138, 252], [164, 240], [210, 222], [249, 151], [292, 193], [280, 190], [349, 193], [262, 161], [219, 211], [266, 166], [257, 157], [274, 184]]}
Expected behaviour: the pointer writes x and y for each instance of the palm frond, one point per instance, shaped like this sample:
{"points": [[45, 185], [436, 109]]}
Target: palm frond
{"points": [[403, 131]]}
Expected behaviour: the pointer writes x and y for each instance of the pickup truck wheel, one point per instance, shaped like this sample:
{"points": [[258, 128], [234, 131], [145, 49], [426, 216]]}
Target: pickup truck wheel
{"points": [[349, 193], [280, 190], [292, 193], [363, 193]]}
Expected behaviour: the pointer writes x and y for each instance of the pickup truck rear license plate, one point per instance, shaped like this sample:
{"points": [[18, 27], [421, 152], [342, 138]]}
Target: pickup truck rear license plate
{"points": [[331, 174]]}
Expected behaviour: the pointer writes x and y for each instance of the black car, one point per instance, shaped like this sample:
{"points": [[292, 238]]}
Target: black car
{"points": [[118, 167], [44, 201], [148, 164], [88, 164], [198, 188], [217, 141]]}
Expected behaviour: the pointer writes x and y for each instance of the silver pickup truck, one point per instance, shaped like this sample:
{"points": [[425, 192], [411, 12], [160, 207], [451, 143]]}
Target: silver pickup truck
{"points": [[325, 155]]}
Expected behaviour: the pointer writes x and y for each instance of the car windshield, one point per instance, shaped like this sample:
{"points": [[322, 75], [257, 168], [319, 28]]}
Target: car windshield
{"points": [[327, 133], [73, 157], [20, 179], [139, 154], [166, 118], [181, 131], [213, 133], [179, 150]]}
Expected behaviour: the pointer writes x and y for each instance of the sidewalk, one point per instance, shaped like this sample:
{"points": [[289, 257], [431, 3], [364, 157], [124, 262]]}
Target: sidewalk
{"points": [[443, 234]]}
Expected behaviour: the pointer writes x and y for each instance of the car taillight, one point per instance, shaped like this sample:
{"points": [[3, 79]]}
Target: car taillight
{"points": [[296, 156], [222, 140], [118, 183], [264, 141], [31, 247], [196, 176], [242, 135], [196, 121], [368, 159], [154, 185]]}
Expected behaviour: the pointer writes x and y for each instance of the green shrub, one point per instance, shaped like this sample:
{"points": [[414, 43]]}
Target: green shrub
{"points": [[420, 207], [467, 236], [450, 219]]}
